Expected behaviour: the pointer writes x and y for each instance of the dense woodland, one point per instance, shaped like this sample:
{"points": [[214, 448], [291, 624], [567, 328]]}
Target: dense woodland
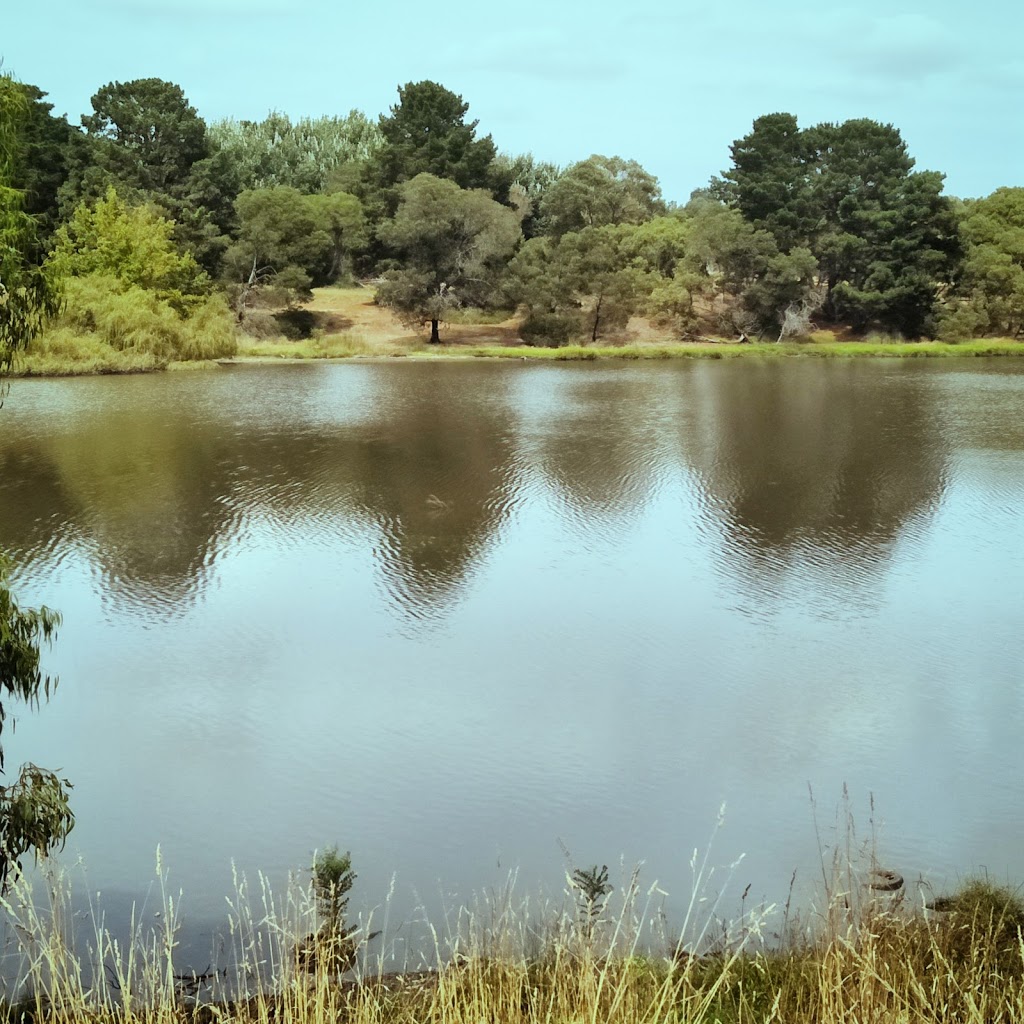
{"points": [[151, 229]]}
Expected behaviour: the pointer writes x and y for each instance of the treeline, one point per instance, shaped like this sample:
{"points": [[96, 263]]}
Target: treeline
{"points": [[169, 233]]}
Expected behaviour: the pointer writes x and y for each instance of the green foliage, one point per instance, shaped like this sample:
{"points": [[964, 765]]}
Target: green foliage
{"points": [[340, 217], [769, 181], [29, 293], [582, 284], [133, 245], [592, 890], [885, 238], [305, 155], [289, 241], [149, 133], [44, 147], [989, 298], [427, 133], [522, 182], [34, 811], [130, 318], [452, 243], [600, 191], [333, 879]]}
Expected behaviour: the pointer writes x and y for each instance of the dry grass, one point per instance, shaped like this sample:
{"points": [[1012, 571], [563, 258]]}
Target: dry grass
{"points": [[860, 957]]}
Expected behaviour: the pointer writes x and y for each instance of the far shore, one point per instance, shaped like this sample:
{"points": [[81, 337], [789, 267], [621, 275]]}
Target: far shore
{"points": [[346, 324]]}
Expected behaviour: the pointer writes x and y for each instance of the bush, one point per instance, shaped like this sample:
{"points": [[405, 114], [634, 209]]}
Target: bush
{"points": [[295, 324], [551, 329], [128, 318]]}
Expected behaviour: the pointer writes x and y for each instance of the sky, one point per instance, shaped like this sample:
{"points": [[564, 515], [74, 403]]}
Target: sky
{"points": [[668, 84]]}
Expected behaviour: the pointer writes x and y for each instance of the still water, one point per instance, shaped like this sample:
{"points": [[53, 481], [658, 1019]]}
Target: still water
{"points": [[449, 616]]}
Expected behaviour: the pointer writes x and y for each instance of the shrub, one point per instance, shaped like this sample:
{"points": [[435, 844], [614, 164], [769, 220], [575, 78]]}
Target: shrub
{"points": [[551, 329]]}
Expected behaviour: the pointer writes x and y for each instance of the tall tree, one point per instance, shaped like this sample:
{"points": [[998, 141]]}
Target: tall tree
{"points": [[35, 815], [427, 133], [769, 181], [46, 144], [155, 134], [289, 241], [581, 285], [451, 242], [304, 154], [884, 236]]}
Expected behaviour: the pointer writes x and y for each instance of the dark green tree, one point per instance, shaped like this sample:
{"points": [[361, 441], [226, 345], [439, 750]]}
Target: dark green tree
{"points": [[35, 815], [770, 180], [45, 145], [427, 133], [582, 285], [286, 240], [155, 134], [884, 236], [147, 140], [451, 243]]}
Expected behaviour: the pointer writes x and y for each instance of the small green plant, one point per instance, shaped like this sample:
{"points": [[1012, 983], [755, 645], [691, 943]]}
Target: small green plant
{"points": [[333, 879], [333, 947], [592, 889]]}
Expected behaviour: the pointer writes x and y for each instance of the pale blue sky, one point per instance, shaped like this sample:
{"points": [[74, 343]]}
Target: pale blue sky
{"points": [[668, 84]]}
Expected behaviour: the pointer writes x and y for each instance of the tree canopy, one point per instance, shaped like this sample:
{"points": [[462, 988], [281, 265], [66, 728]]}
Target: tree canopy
{"points": [[427, 133], [451, 241]]}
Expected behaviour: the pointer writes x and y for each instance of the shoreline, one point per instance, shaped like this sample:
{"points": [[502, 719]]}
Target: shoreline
{"points": [[26, 367]]}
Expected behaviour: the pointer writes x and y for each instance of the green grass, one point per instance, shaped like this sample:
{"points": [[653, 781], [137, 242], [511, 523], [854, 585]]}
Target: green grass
{"points": [[64, 353], [763, 350], [332, 346]]}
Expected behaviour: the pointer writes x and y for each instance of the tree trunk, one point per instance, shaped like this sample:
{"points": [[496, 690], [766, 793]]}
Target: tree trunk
{"points": [[435, 338]]}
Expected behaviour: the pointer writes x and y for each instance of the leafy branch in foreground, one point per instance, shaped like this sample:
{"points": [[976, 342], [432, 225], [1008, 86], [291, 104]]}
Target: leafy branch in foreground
{"points": [[35, 815], [34, 812]]}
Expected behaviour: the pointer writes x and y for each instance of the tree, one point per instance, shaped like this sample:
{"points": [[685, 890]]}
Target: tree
{"points": [[154, 135], [340, 215], [583, 284], [427, 133], [884, 236], [989, 297], [769, 181], [45, 145], [132, 244], [305, 154], [452, 242], [522, 182], [598, 191], [284, 239], [35, 815]]}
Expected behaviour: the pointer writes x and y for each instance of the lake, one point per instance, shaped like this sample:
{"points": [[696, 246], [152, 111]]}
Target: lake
{"points": [[454, 616]]}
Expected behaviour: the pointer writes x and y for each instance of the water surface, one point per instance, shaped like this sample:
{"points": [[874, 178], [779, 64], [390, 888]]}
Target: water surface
{"points": [[448, 615]]}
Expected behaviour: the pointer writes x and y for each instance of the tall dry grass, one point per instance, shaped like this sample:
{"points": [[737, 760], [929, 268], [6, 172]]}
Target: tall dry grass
{"points": [[858, 955]]}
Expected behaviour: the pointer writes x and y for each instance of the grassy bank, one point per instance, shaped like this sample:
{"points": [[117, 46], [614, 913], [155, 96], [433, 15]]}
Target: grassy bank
{"points": [[860, 955], [348, 325]]}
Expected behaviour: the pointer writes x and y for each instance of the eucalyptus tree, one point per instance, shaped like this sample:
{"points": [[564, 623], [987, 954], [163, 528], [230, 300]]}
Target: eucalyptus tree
{"points": [[451, 243], [598, 191]]}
